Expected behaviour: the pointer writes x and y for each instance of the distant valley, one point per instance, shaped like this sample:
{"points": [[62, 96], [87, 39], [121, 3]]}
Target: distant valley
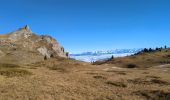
{"points": [[102, 55]]}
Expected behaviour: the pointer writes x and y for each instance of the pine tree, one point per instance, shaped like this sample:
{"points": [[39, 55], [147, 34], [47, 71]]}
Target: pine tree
{"points": [[145, 50], [150, 50], [157, 48], [112, 57]]}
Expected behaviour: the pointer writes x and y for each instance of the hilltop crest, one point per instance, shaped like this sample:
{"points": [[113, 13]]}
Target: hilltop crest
{"points": [[25, 46]]}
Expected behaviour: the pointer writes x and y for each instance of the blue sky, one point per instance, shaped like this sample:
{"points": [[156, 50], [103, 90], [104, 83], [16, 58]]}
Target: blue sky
{"points": [[87, 25]]}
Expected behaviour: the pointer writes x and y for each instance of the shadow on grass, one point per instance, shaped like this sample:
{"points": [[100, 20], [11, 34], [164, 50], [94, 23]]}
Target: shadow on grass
{"points": [[153, 95], [12, 70], [117, 84], [99, 77], [148, 81], [6, 65], [118, 72]]}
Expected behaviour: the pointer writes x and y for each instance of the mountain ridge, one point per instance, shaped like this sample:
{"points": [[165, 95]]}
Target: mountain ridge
{"points": [[114, 51], [29, 46]]}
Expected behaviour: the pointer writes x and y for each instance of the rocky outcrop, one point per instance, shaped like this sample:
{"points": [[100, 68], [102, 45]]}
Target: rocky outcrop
{"points": [[26, 44], [44, 52], [55, 46], [21, 33]]}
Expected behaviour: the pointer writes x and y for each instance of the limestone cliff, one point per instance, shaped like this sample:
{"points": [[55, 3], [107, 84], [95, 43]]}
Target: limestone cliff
{"points": [[25, 46]]}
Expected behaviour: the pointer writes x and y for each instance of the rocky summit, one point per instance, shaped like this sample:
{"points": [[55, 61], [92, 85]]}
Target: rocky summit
{"points": [[24, 46]]}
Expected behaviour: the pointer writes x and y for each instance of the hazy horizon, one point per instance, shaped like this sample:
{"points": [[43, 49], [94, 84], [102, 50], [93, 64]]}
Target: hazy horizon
{"points": [[90, 25]]}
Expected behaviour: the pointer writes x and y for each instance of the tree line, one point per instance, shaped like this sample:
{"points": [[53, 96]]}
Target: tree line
{"points": [[151, 49]]}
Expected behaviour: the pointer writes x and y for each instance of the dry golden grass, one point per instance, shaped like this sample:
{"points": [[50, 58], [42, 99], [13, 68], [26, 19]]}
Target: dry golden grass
{"points": [[65, 79], [4, 35], [12, 70]]}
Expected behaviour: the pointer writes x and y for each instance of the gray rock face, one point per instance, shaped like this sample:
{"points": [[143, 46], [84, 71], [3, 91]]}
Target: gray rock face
{"points": [[23, 42], [44, 52], [21, 33], [56, 47], [49, 39]]}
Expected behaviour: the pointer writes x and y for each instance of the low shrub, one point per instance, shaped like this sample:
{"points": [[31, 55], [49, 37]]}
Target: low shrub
{"points": [[131, 66]]}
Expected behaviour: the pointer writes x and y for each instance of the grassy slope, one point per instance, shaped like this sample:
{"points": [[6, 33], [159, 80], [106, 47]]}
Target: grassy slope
{"points": [[66, 79], [142, 60]]}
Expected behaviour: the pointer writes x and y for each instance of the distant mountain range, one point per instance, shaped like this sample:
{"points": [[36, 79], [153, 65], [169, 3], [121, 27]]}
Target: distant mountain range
{"points": [[101, 55]]}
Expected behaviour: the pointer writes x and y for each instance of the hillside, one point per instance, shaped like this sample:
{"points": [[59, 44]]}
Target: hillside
{"points": [[66, 79], [24, 46], [140, 60]]}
